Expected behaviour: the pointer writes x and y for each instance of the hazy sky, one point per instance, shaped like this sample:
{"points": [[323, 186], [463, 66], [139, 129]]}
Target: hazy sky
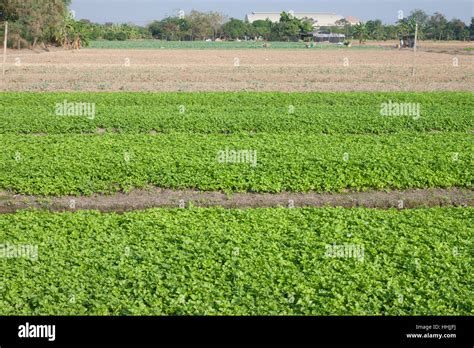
{"points": [[143, 11]]}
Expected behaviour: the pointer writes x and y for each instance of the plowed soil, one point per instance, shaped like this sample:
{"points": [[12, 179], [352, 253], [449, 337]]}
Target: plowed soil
{"points": [[386, 69]]}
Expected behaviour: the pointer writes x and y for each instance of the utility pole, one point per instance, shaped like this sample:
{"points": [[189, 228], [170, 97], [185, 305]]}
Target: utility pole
{"points": [[414, 50], [5, 47]]}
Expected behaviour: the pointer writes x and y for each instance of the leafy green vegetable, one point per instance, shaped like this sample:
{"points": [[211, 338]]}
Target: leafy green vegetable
{"points": [[231, 262], [225, 113], [79, 164]]}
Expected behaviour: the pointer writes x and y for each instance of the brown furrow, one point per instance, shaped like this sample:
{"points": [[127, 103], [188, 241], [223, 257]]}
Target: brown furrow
{"points": [[156, 197]]}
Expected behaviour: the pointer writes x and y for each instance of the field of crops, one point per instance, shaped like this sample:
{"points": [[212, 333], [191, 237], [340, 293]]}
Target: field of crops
{"points": [[202, 45], [258, 261], [301, 142], [149, 184], [225, 113], [78, 164], [230, 262]]}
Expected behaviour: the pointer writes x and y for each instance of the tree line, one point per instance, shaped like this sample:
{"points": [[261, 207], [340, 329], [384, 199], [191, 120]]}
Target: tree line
{"points": [[198, 26], [213, 25], [45, 22], [430, 27]]}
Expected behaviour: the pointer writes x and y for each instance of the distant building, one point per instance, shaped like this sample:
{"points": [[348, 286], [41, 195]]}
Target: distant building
{"points": [[352, 20], [319, 19]]}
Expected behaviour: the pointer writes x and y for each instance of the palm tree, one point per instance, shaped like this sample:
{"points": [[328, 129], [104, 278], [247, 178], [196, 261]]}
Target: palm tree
{"points": [[360, 32], [72, 34]]}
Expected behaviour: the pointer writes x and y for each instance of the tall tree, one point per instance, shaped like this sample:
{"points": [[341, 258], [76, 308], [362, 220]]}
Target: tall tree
{"points": [[234, 29], [35, 20], [205, 25], [421, 18], [262, 28], [455, 29], [375, 29], [471, 29], [437, 26], [290, 28]]}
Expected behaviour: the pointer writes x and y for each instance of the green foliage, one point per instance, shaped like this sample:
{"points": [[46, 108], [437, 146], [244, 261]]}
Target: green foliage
{"points": [[471, 29], [375, 30], [231, 113], [49, 22], [112, 32], [262, 28], [301, 140], [201, 26], [110, 36], [121, 36], [73, 34], [360, 32], [434, 27], [205, 25], [422, 19], [216, 45], [239, 262], [171, 28], [407, 27], [234, 29], [437, 26], [289, 28], [78, 164], [33, 21]]}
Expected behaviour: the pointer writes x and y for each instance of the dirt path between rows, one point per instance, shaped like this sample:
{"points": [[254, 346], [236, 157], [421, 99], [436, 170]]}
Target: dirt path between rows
{"points": [[155, 197]]}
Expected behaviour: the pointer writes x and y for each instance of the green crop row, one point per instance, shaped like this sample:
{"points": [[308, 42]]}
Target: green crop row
{"points": [[226, 113], [202, 45], [83, 164], [238, 262]]}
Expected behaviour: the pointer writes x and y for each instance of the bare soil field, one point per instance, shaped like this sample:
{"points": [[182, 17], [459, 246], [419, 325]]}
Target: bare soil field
{"points": [[438, 67]]}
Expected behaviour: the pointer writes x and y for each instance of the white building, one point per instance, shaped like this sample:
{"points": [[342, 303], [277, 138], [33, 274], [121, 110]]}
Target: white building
{"points": [[319, 19]]}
